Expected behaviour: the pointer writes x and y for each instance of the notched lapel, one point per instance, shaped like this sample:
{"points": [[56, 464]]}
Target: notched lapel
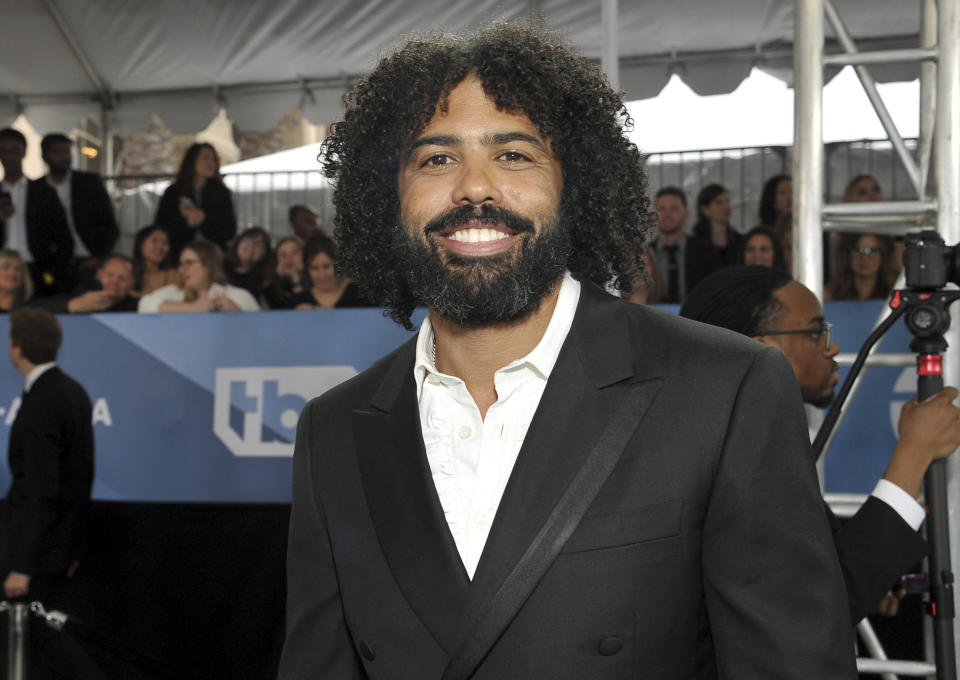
{"points": [[404, 506]]}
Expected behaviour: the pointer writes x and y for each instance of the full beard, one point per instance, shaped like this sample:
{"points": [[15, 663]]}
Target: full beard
{"points": [[476, 291]]}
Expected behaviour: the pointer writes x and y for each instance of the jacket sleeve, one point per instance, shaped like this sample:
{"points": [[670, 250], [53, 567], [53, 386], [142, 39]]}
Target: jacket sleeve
{"points": [[101, 231], [220, 221], [317, 641], [774, 592], [169, 217], [876, 547], [41, 487]]}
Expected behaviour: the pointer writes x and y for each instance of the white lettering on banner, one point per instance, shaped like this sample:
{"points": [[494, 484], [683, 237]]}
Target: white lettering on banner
{"points": [[101, 413], [255, 410]]}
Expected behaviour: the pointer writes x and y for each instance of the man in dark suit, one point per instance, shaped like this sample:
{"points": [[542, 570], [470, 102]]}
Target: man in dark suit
{"points": [[108, 292], [682, 262], [880, 542], [51, 465], [547, 482], [28, 224], [82, 207]]}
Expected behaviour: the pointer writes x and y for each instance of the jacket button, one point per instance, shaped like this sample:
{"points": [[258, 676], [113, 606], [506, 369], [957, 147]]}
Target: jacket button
{"points": [[367, 650], [610, 646]]}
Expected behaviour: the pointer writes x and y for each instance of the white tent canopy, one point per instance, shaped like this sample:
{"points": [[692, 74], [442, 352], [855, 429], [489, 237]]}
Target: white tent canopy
{"points": [[63, 59]]}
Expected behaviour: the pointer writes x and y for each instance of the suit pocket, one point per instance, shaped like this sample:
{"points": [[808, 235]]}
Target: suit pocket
{"points": [[625, 527]]}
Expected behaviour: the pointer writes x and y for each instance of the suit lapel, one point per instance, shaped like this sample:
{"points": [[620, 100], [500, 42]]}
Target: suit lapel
{"points": [[403, 502], [594, 400]]}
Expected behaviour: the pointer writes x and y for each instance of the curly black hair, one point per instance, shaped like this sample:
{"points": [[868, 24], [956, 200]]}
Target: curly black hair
{"points": [[522, 69]]}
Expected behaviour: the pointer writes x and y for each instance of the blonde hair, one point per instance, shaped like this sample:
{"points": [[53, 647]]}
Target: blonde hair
{"points": [[26, 285]]}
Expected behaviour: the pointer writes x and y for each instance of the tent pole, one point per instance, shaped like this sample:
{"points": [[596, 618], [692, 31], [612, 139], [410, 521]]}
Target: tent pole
{"points": [[808, 144], [610, 54], [946, 141], [928, 94]]}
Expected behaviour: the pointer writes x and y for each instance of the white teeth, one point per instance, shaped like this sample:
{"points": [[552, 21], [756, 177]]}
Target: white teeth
{"points": [[478, 235]]}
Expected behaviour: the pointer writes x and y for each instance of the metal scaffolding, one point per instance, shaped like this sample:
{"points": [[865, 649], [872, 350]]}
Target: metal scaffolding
{"points": [[934, 206]]}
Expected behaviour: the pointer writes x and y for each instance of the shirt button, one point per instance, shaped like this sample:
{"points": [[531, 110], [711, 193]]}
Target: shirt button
{"points": [[465, 432]]}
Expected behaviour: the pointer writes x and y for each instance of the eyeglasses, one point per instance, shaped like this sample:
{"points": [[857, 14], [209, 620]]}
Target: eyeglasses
{"points": [[866, 251], [825, 329]]}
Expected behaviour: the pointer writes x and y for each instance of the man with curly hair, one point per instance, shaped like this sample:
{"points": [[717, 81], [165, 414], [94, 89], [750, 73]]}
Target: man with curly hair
{"points": [[547, 482]]}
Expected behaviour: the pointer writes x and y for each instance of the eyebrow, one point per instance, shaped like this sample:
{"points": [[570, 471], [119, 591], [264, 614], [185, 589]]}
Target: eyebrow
{"points": [[492, 139], [818, 319]]}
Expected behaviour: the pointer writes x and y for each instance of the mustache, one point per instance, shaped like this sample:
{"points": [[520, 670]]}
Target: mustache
{"points": [[484, 214]]}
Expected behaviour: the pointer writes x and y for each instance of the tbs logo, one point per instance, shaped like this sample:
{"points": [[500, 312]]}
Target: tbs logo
{"points": [[255, 410]]}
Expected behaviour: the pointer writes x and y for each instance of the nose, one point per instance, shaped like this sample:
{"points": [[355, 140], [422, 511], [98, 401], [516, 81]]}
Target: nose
{"points": [[834, 349], [476, 183]]}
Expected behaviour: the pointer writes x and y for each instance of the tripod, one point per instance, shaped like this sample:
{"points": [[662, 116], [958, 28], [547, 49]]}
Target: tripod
{"points": [[927, 319]]}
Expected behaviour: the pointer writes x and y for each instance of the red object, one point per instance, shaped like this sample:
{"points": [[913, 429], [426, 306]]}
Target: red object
{"points": [[929, 364], [895, 300], [923, 296]]}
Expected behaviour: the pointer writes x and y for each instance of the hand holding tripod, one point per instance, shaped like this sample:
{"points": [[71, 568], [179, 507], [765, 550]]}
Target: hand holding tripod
{"points": [[929, 265]]}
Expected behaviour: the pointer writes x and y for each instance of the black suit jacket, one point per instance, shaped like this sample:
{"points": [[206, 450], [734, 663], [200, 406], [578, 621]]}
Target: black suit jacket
{"points": [[700, 259], [876, 547], [48, 236], [219, 224], [51, 466], [663, 520], [92, 212]]}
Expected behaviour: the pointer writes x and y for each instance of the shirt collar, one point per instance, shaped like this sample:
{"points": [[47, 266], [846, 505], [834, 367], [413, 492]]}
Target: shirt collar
{"points": [[541, 358], [66, 180], [37, 371]]}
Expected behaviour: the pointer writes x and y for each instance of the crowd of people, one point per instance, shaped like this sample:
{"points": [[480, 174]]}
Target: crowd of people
{"points": [[859, 266], [59, 233]]}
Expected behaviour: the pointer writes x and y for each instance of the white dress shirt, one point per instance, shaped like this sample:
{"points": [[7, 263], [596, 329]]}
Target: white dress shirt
{"points": [[470, 457], [16, 227], [66, 200], [902, 503], [34, 374]]}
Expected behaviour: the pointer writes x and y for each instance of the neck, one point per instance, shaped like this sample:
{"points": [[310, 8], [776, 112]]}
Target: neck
{"points": [[864, 286], [58, 177], [198, 184], [474, 354], [671, 238], [25, 366], [12, 176]]}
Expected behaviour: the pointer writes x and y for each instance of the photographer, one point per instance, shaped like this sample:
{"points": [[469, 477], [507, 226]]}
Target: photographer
{"points": [[880, 542]]}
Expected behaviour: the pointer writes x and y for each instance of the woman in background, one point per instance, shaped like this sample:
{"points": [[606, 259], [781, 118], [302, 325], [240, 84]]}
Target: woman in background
{"points": [[776, 200], [16, 288], [198, 203], [152, 266], [324, 289], [203, 286], [713, 222], [246, 261], [865, 268], [285, 278], [761, 246]]}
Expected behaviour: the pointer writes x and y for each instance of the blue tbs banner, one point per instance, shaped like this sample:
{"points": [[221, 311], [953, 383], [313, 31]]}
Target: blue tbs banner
{"points": [[204, 407]]}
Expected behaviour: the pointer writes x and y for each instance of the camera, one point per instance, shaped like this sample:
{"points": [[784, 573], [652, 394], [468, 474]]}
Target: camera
{"points": [[929, 263]]}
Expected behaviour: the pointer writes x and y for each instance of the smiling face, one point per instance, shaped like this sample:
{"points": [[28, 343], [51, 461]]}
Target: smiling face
{"points": [[758, 250], [479, 198], [116, 277], [289, 258], [251, 250], [322, 274], [155, 247], [11, 275]]}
